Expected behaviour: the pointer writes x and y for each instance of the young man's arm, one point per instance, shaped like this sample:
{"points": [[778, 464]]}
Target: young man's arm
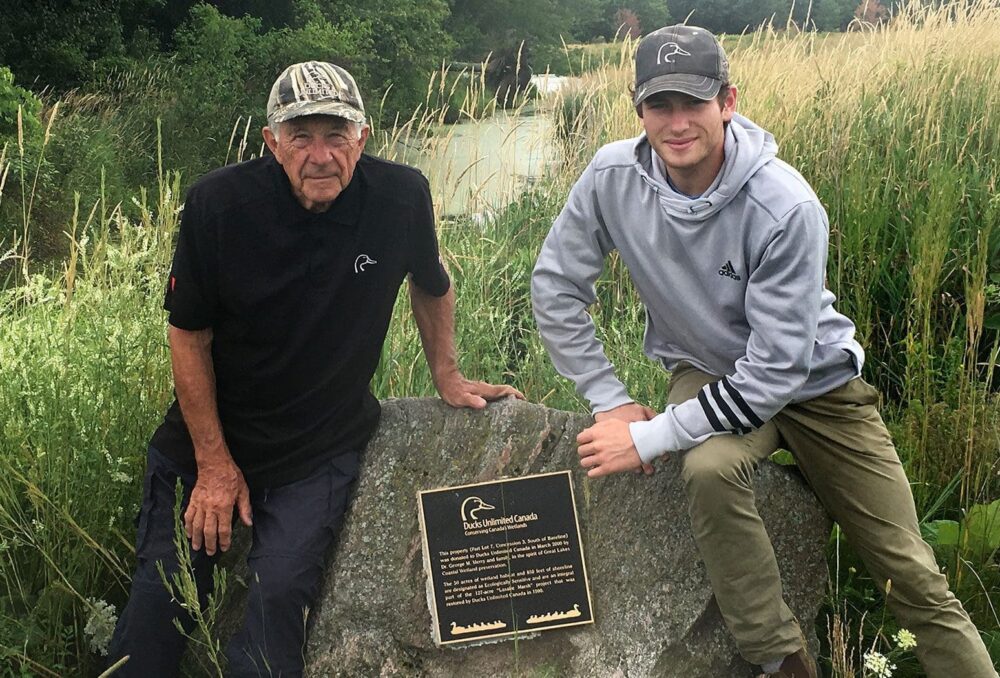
{"points": [[562, 288], [435, 318], [784, 297], [220, 485]]}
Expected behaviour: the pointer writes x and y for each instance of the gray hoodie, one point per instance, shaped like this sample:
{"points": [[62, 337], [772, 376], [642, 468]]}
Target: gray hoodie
{"points": [[732, 282]]}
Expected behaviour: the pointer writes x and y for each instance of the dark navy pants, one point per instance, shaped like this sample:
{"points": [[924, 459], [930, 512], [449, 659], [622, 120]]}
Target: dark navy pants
{"points": [[293, 526]]}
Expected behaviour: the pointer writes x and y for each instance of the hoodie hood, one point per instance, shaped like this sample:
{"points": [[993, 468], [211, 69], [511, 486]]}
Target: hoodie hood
{"points": [[747, 149]]}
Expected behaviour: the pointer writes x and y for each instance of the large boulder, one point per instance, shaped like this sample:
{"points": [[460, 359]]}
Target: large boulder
{"points": [[653, 605]]}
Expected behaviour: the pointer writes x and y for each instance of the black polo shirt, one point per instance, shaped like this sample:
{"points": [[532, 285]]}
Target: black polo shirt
{"points": [[299, 304]]}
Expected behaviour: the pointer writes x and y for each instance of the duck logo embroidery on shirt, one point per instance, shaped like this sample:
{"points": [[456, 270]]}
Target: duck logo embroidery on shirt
{"points": [[362, 261], [673, 50], [727, 271]]}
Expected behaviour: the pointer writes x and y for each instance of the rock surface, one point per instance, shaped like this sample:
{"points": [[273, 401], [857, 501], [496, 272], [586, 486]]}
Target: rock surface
{"points": [[655, 614]]}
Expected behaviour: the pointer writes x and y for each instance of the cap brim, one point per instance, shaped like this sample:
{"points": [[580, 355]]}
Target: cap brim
{"points": [[299, 109], [698, 86]]}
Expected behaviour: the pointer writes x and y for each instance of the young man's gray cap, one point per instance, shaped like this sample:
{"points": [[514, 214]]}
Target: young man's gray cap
{"points": [[315, 88], [680, 58]]}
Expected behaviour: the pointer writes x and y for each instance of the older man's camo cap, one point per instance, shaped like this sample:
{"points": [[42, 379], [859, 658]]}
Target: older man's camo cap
{"points": [[680, 58], [314, 88]]}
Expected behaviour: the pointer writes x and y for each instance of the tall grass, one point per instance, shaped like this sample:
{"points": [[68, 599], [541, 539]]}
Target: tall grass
{"points": [[82, 378], [897, 129]]}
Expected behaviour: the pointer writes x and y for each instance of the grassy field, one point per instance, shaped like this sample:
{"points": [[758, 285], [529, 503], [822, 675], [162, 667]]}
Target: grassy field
{"points": [[898, 130]]}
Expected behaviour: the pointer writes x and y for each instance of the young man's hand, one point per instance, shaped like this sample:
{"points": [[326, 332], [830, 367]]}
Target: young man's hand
{"points": [[628, 413]]}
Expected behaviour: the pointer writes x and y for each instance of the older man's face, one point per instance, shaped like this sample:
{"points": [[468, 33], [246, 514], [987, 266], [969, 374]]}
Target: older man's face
{"points": [[319, 154]]}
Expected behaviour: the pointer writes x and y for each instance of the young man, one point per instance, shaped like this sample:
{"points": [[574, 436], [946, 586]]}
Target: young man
{"points": [[727, 248], [280, 295]]}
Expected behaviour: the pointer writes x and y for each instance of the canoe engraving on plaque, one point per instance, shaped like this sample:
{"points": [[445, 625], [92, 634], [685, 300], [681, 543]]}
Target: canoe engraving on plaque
{"points": [[504, 558]]}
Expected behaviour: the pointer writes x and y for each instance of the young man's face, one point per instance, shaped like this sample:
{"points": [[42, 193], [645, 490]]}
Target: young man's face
{"points": [[319, 154], [688, 133]]}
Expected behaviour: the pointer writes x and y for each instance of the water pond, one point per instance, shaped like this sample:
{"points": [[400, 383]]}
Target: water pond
{"points": [[478, 166]]}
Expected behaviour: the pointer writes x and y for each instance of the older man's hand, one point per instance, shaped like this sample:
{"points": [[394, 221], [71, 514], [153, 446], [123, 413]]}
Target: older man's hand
{"points": [[208, 519], [458, 391]]}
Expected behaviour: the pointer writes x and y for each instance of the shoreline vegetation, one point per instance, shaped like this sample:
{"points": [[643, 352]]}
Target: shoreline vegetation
{"points": [[896, 127]]}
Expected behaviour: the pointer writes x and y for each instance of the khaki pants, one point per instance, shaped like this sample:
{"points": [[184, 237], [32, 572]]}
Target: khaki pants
{"points": [[843, 449]]}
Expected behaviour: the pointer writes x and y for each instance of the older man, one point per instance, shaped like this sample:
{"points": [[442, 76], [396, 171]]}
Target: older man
{"points": [[727, 247], [280, 295]]}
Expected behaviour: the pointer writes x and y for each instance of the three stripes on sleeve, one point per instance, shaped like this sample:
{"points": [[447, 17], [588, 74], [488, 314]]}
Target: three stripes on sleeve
{"points": [[726, 410]]}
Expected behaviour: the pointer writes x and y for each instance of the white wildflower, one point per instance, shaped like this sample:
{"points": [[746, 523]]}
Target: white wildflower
{"points": [[100, 625], [905, 640], [114, 517], [878, 665], [121, 477]]}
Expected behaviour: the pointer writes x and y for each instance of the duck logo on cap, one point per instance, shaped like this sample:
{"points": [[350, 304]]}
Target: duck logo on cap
{"points": [[675, 50]]}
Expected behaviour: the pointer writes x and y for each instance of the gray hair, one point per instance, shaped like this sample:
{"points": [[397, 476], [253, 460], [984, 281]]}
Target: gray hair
{"points": [[354, 128]]}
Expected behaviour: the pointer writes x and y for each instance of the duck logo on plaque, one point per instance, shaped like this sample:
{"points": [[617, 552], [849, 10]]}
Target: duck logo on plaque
{"points": [[472, 506], [514, 562]]}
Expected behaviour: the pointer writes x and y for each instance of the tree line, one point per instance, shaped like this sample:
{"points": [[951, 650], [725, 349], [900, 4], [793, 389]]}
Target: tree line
{"points": [[135, 75], [67, 44]]}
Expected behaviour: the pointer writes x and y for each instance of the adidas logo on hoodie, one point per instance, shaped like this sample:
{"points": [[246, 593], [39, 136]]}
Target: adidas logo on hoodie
{"points": [[728, 271]]}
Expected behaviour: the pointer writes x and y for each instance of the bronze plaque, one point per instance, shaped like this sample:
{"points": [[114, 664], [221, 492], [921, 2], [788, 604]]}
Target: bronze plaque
{"points": [[504, 558]]}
